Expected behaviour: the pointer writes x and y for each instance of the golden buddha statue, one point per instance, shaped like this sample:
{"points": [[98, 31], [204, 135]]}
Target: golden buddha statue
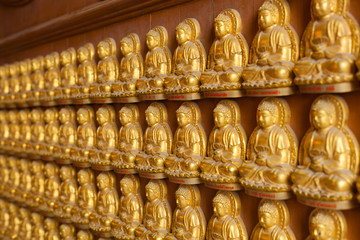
{"points": [[4, 217], [68, 75], [131, 67], [107, 69], [106, 138], [271, 151], [25, 131], [327, 225], [51, 189], [67, 135], [37, 223], [51, 139], [87, 73], [188, 220], [273, 221], [37, 184], [157, 212], [86, 136], [157, 64], [25, 81], [14, 178], [25, 224], [189, 60], [226, 146], [130, 209], [274, 49], [130, 139], [14, 82], [84, 235], [4, 173], [4, 129], [37, 79], [14, 222], [52, 77], [37, 132], [328, 48], [24, 188], [226, 222], [329, 154], [4, 83], [51, 227], [228, 54], [14, 130], [157, 142], [87, 198], [189, 144], [107, 205], [68, 193], [67, 232]]}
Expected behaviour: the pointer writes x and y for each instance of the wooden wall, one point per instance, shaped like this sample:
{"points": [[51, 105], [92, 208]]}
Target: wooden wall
{"points": [[44, 26]]}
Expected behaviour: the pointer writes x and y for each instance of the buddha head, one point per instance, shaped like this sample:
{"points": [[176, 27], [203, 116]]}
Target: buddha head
{"points": [[221, 205], [23, 115], [36, 218], [84, 235], [127, 45], [65, 115], [222, 115], [2, 116], [36, 63], [104, 49], [24, 66], [103, 181], [223, 25], [183, 33], [126, 115], [183, 197], [50, 224], [84, 176], [14, 69], [24, 165], [268, 214], [83, 54], [153, 39], [51, 169], [65, 57], [268, 15], [36, 167], [65, 173], [104, 115], [12, 116], [184, 115], [127, 186], [24, 213], [322, 226], [267, 114], [84, 115], [322, 8], [152, 114], [322, 114], [50, 115], [66, 230], [36, 115], [153, 191]]}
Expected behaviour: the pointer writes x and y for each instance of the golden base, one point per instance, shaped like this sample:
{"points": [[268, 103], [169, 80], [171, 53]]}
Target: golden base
{"points": [[270, 92], [81, 101], [63, 161], [126, 100], [81, 164], [47, 158], [269, 195], [125, 171], [101, 100], [152, 175], [223, 94], [188, 181], [336, 205], [183, 96], [329, 88], [48, 104], [224, 186], [102, 167], [34, 104], [64, 102], [152, 97]]}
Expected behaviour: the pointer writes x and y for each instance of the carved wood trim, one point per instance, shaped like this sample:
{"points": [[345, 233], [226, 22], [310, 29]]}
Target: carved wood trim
{"points": [[89, 18]]}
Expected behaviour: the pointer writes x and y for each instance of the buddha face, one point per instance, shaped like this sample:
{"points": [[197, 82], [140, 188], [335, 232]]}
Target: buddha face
{"points": [[65, 57], [126, 48], [102, 117], [265, 119], [23, 116], [181, 201], [266, 219], [65, 173], [221, 29], [103, 49], [322, 8], [82, 177], [151, 193], [49, 224], [35, 167], [82, 235], [125, 118], [35, 64], [82, 116], [12, 69], [152, 42], [102, 182], [151, 119], [320, 231], [65, 231], [125, 187], [182, 36], [49, 170], [49, 115], [82, 54], [183, 119], [64, 115], [219, 209], [266, 19], [321, 119], [220, 119], [23, 67], [48, 61]]}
